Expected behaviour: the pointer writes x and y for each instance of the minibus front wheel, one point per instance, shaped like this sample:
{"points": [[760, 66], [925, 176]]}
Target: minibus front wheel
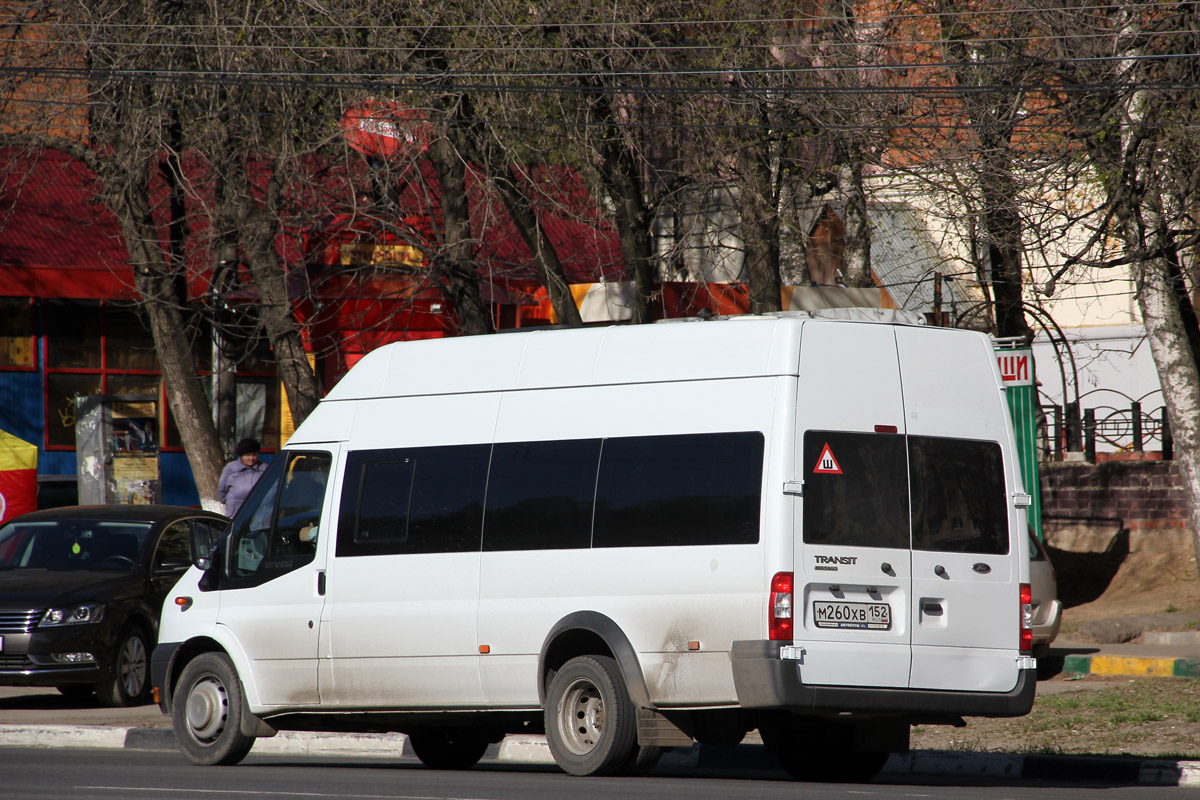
{"points": [[591, 723], [207, 714]]}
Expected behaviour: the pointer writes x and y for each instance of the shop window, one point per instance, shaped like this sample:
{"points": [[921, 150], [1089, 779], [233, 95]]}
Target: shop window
{"points": [[73, 341], [61, 391], [16, 332], [128, 344]]}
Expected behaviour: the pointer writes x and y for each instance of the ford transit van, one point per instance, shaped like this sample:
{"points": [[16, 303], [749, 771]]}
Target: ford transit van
{"points": [[629, 538]]}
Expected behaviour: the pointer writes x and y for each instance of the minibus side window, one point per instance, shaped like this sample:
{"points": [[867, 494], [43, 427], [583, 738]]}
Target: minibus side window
{"points": [[693, 489], [855, 489], [413, 500], [958, 496], [540, 495]]}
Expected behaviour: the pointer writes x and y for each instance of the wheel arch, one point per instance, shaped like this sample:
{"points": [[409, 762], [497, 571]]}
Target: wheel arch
{"points": [[591, 633], [184, 654]]}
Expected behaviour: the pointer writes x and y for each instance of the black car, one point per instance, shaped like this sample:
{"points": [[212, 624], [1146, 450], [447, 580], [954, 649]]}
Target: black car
{"points": [[81, 590]]}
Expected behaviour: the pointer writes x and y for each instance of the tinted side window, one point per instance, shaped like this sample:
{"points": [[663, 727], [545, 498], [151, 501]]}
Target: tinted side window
{"points": [[416, 500], [540, 495], [694, 489], [855, 489], [958, 496]]}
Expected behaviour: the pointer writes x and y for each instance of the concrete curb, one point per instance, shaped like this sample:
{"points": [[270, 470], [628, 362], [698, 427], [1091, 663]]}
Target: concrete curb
{"points": [[1132, 666], [526, 749]]}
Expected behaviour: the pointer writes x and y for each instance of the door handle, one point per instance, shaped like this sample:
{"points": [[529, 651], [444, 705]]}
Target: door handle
{"points": [[931, 608], [321, 582]]}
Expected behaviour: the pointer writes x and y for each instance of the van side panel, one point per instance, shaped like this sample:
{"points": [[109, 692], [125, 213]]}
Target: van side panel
{"points": [[965, 593], [662, 598], [402, 627]]}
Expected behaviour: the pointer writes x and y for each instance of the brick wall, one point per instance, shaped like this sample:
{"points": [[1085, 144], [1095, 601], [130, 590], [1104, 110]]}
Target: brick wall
{"points": [[1085, 505]]}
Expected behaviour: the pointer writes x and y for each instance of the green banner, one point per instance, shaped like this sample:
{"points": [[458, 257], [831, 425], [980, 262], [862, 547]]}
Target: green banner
{"points": [[1016, 369]]}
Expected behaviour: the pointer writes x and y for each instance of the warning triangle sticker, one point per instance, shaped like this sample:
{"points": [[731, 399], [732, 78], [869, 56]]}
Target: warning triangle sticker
{"points": [[826, 463]]}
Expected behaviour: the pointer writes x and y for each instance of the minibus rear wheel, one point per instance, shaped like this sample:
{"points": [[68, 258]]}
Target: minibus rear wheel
{"points": [[591, 724], [207, 714]]}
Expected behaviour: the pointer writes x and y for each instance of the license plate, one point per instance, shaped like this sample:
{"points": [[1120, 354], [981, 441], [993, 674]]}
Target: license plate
{"points": [[867, 616]]}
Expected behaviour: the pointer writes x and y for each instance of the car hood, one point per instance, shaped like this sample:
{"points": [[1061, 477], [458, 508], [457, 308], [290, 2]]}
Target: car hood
{"points": [[38, 588]]}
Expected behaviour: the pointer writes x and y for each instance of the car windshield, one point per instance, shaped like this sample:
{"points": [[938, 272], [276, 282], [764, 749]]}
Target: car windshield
{"points": [[72, 544]]}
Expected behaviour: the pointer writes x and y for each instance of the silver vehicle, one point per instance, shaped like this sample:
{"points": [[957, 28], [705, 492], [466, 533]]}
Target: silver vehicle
{"points": [[1047, 609]]}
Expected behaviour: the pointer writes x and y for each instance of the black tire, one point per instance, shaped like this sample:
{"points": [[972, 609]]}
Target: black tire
{"points": [[452, 748], [643, 759], [207, 712], [76, 691], [128, 682], [591, 724]]}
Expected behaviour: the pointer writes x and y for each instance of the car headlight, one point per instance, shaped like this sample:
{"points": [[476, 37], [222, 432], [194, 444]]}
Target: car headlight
{"points": [[73, 615]]}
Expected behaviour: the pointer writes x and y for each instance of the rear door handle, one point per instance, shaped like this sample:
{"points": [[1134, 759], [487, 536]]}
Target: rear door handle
{"points": [[321, 582]]}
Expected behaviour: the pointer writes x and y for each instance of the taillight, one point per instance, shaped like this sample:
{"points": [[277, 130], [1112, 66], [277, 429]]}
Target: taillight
{"points": [[779, 622], [1026, 618]]}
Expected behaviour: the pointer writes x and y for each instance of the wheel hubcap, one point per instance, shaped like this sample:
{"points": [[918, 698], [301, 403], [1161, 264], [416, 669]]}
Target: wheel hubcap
{"points": [[133, 666], [207, 709], [581, 717]]}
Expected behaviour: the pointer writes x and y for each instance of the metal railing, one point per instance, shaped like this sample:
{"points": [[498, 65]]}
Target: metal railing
{"points": [[1126, 428]]}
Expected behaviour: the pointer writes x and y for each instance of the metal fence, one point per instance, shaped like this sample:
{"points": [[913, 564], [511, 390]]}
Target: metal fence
{"points": [[1126, 428]]}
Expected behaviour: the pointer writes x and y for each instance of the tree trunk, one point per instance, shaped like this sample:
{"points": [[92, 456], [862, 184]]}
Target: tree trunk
{"points": [[185, 392], [258, 229], [857, 253], [545, 258], [760, 231], [1178, 373], [623, 181], [454, 265]]}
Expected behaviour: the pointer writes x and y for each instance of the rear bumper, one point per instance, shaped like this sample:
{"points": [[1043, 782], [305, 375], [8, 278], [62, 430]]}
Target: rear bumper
{"points": [[764, 680]]}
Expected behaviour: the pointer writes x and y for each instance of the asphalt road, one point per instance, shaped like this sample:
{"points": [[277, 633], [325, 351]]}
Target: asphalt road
{"points": [[32, 774]]}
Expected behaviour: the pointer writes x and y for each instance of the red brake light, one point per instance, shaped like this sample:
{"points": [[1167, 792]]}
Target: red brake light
{"points": [[1026, 643], [779, 620]]}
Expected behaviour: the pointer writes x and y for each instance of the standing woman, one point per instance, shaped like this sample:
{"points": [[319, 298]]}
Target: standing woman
{"points": [[239, 476]]}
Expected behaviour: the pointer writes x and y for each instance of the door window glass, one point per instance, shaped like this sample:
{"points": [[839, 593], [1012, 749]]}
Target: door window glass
{"points": [[279, 532], [176, 543], [855, 489], [958, 496]]}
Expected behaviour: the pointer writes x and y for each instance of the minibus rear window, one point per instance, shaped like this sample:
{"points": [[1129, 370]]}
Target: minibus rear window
{"points": [[958, 496], [855, 489]]}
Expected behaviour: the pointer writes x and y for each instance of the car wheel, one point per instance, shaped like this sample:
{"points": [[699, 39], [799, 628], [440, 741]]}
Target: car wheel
{"points": [[207, 714], [128, 683], [643, 759], [591, 723], [452, 748]]}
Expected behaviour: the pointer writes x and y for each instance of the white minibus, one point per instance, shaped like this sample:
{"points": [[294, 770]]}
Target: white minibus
{"points": [[627, 538]]}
